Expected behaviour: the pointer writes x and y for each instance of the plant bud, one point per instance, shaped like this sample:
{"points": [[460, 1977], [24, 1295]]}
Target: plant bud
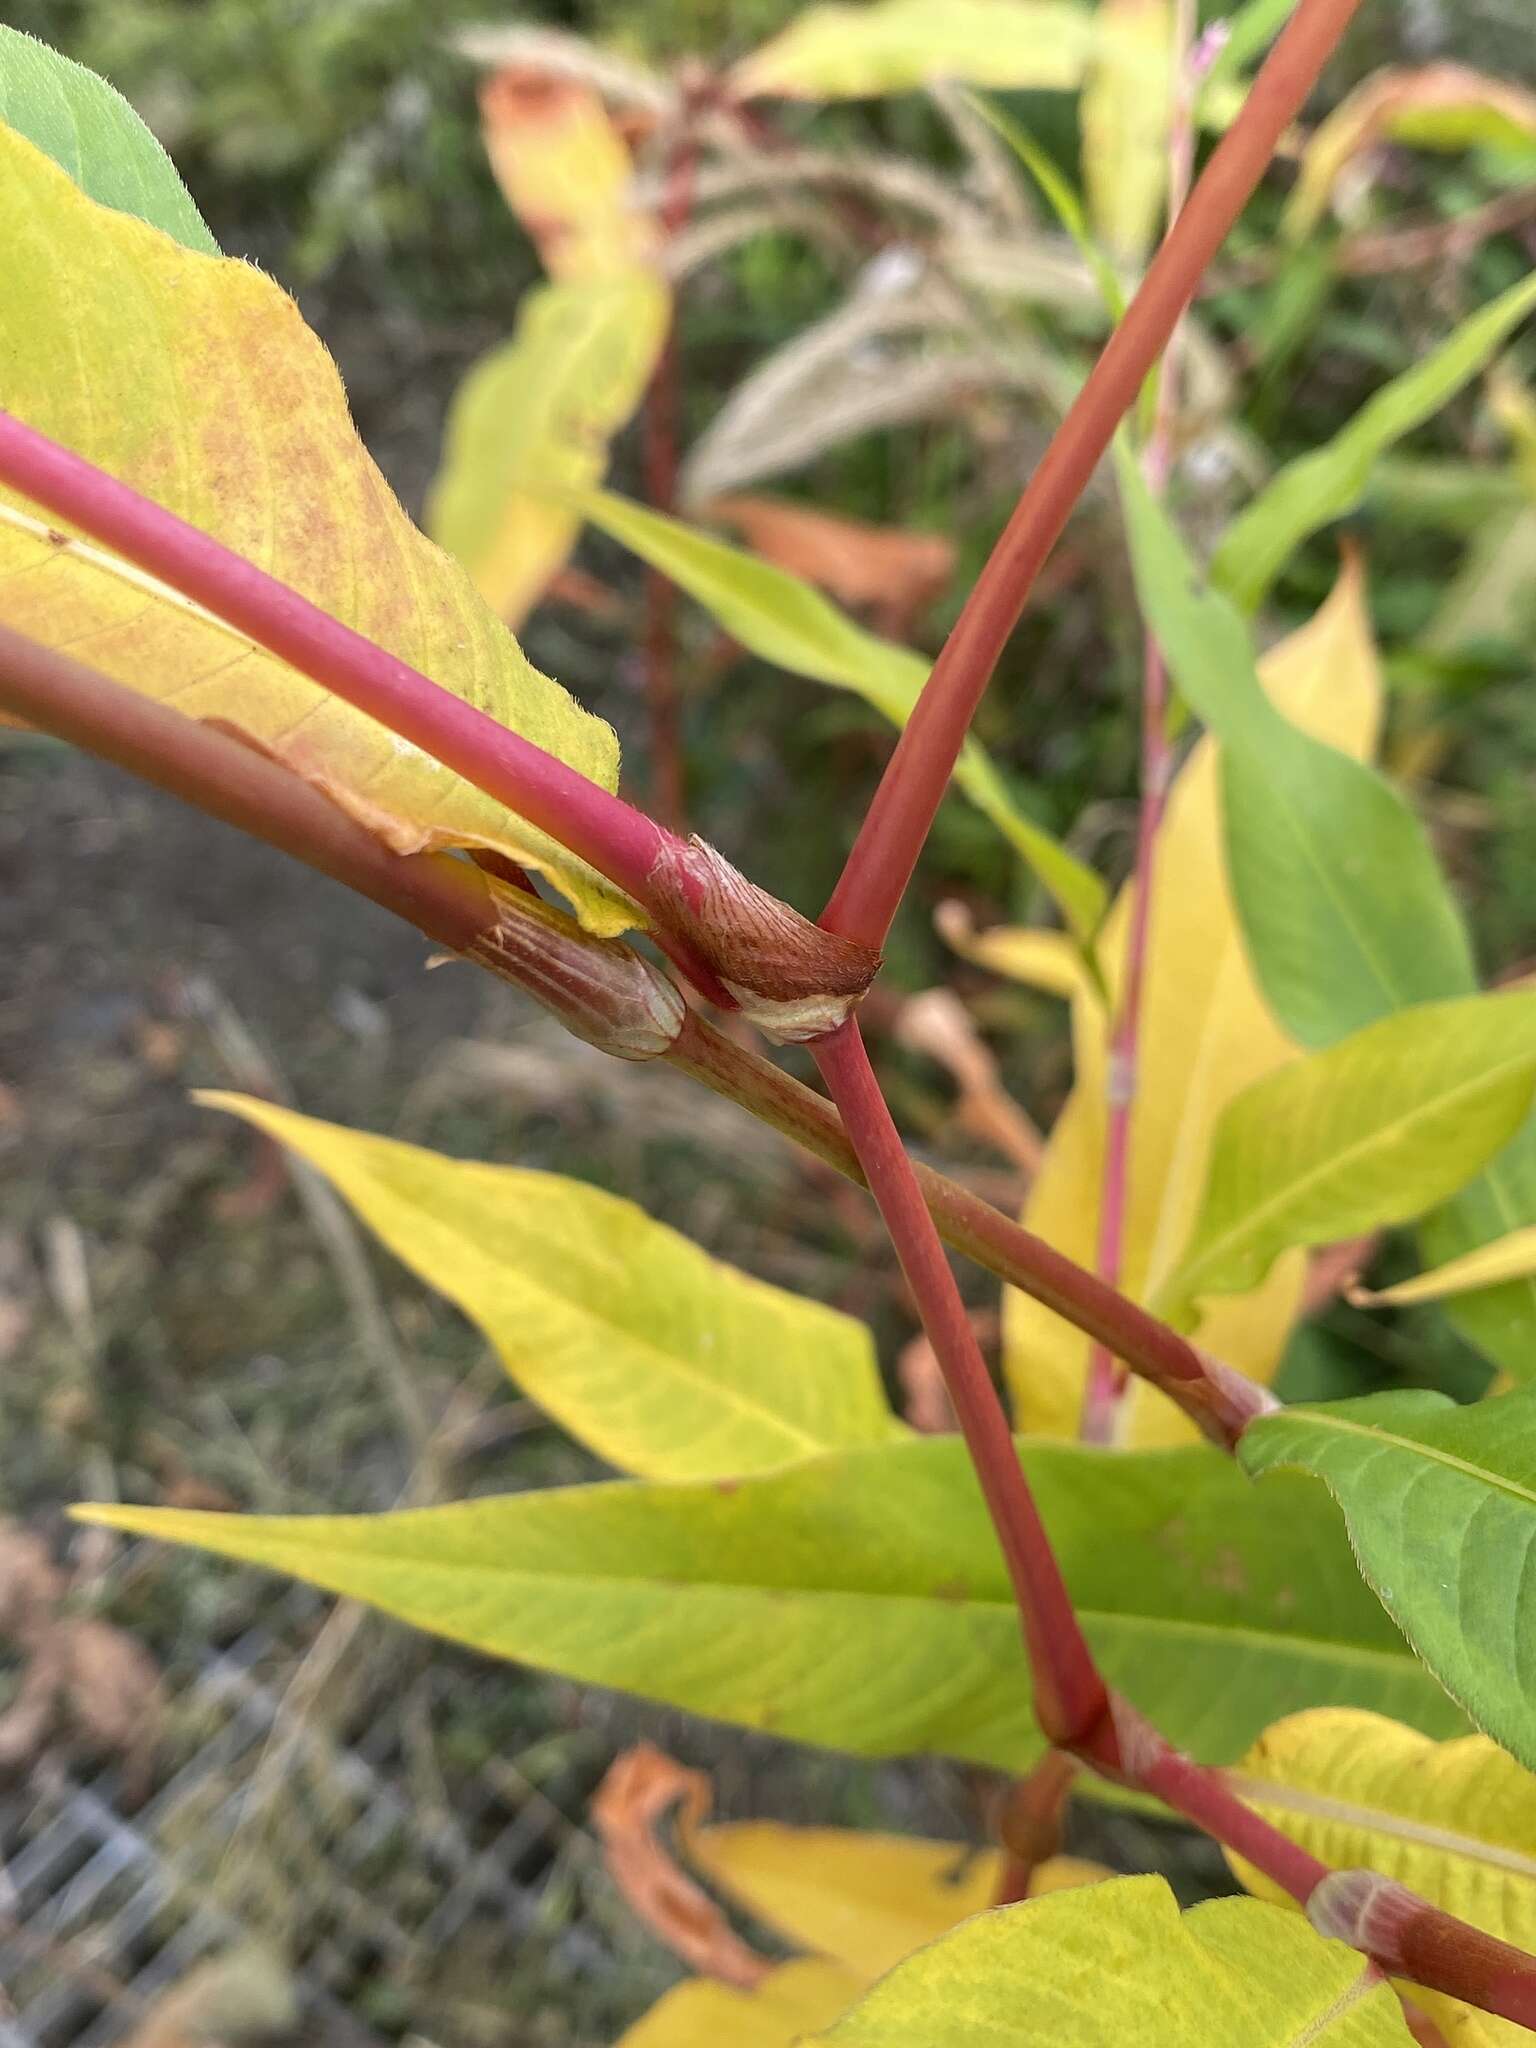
{"points": [[792, 979], [600, 989]]}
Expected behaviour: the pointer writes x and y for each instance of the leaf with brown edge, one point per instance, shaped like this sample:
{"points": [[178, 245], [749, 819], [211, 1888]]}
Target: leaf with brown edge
{"points": [[641, 1787], [1438, 106], [194, 379], [565, 171]]}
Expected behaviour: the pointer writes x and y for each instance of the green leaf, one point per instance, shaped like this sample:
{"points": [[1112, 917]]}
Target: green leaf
{"points": [[859, 1600], [1441, 1507], [1373, 1131], [892, 46], [781, 619], [1060, 197], [666, 1362], [1344, 910], [1500, 1321], [91, 132], [1119, 1966], [1322, 486], [533, 420], [193, 379]]}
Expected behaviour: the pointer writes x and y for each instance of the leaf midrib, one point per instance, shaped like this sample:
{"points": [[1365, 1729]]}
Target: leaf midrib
{"points": [[1294, 1190], [1312, 1805], [1431, 1453]]}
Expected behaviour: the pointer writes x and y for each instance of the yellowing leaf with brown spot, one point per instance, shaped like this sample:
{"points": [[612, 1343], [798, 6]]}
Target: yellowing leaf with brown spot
{"points": [[866, 1900], [666, 1361], [194, 379], [1454, 1821], [890, 46], [529, 430], [1439, 107], [566, 172], [1205, 1035], [777, 2013], [1125, 114]]}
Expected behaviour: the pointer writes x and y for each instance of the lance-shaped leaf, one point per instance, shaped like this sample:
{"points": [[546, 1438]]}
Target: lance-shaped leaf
{"points": [[1118, 1966], [1344, 911], [859, 1601], [889, 46], [781, 619], [1322, 486], [194, 379], [1441, 1506], [1206, 1034], [91, 132], [1499, 1319], [778, 2013], [1491, 1265], [1373, 1131], [1438, 107], [665, 1361], [529, 429], [1125, 111], [1454, 1821], [566, 172]]}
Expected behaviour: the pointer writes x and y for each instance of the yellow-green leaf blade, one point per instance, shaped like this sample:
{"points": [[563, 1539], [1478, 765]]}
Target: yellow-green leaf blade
{"points": [[858, 1600], [1124, 115], [1454, 1821], [1491, 1265], [1373, 1131], [530, 426], [665, 1361], [194, 379], [892, 46], [1118, 1966], [782, 619], [1441, 1506]]}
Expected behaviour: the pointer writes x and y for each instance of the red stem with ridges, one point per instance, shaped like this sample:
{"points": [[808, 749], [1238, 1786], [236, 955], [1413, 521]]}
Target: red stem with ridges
{"points": [[891, 837]]}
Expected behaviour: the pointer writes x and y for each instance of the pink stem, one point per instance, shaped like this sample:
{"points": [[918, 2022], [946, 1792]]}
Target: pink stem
{"points": [[1070, 1698], [891, 837], [1107, 1380], [619, 841]]}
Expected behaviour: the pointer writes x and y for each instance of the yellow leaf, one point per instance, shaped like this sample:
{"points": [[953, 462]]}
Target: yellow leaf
{"points": [[1118, 1966], [1440, 106], [194, 379], [775, 2014], [1125, 113], [890, 46], [1205, 1035], [665, 1361], [866, 1900], [1454, 1821], [566, 172], [1506, 1258], [530, 426]]}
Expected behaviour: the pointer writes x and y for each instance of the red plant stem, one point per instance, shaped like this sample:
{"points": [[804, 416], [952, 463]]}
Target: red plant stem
{"points": [[619, 841], [891, 837], [1218, 1400], [1029, 1824], [1105, 1385], [1070, 1696], [662, 433]]}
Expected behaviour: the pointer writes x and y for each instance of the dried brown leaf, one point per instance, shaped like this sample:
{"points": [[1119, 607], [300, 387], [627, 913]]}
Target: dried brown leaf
{"points": [[642, 1786], [31, 1585], [882, 570], [937, 1023]]}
